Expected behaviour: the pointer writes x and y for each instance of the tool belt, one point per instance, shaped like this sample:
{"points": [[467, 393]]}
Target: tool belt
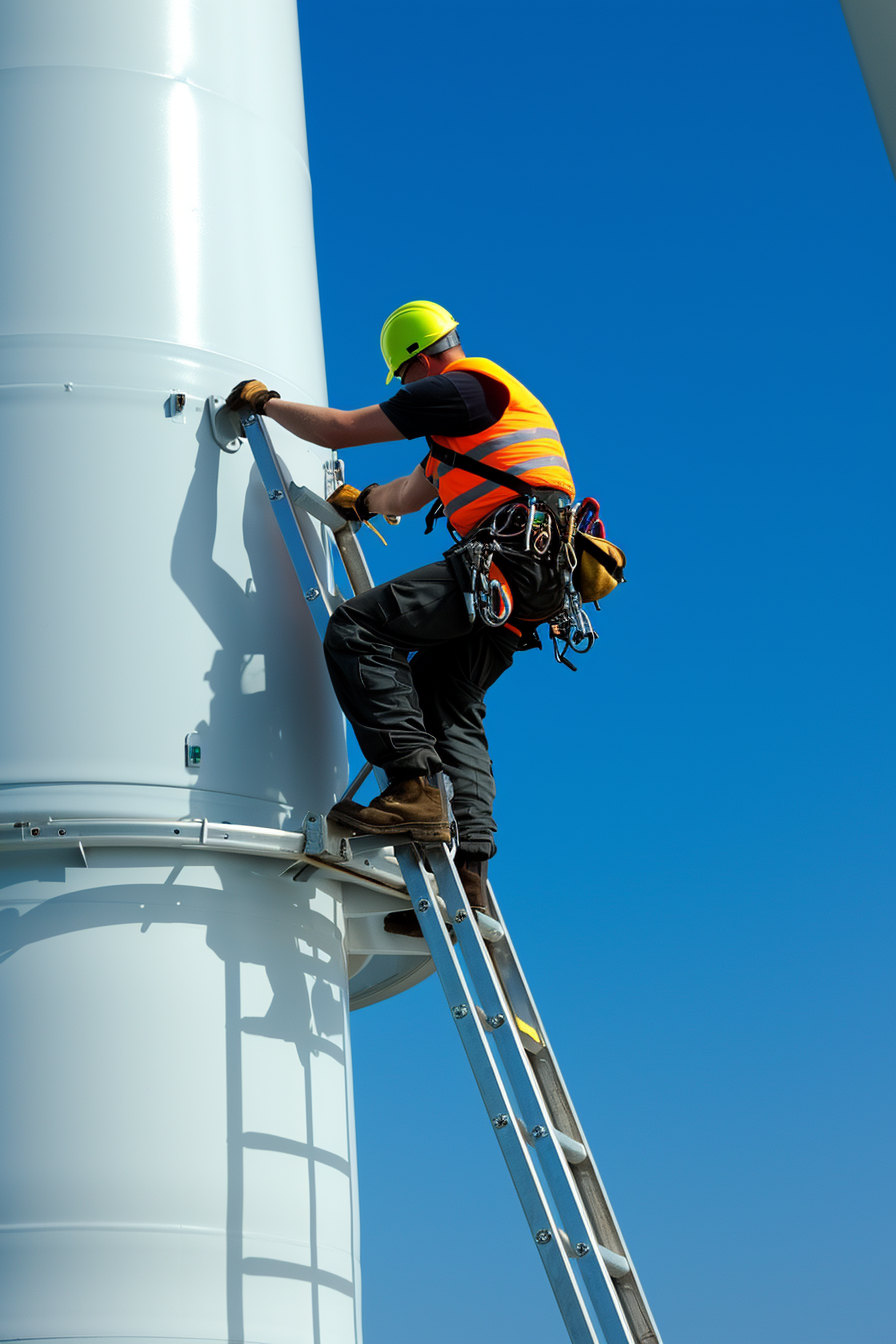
{"points": [[541, 523]]}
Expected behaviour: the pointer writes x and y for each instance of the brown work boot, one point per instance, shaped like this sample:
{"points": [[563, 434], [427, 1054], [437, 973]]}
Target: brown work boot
{"points": [[473, 874], [409, 807], [407, 923], [403, 921]]}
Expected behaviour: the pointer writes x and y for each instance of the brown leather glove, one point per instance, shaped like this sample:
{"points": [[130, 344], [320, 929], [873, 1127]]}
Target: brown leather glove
{"points": [[352, 504], [345, 502], [249, 393]]}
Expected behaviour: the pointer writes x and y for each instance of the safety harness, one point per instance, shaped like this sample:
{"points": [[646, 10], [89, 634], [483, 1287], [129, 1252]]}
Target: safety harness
{"points": [[545, 531]]}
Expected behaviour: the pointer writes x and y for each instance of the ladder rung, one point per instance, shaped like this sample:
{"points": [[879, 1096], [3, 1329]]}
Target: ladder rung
{"points": [[529, 1038], [617, 1265], [490, 929], [575, 1152]]}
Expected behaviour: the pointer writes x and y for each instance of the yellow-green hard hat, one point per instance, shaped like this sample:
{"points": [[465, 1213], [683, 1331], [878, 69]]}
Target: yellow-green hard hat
{"points": [[412, 328]]}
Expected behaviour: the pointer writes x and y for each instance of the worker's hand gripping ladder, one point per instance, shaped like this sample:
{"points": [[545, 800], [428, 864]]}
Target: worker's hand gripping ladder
{"points": [[563, 1198]]}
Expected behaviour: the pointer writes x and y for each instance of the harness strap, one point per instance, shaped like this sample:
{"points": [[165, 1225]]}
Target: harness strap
{"points": [[451, 458], [435, 513], [489, 473]]}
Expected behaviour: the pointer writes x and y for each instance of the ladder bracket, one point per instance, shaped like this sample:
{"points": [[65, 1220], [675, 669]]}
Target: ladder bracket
{"points": [[304, 498], [334, 843], [227, 431], [320, 842]]}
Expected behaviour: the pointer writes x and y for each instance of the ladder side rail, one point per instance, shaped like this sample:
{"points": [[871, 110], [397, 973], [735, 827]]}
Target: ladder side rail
{"points": [[578, 1226], [353, 558], [549, 1076], [585, 1174], [354, 561], [321, 598], [351, 553], [497, 1102]]}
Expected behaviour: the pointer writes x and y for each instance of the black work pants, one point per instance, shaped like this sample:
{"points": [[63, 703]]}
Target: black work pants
{"points": [[419, 717]]}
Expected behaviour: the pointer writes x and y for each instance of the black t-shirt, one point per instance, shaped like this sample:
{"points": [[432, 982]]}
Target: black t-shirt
{"points": [[451, 405]]}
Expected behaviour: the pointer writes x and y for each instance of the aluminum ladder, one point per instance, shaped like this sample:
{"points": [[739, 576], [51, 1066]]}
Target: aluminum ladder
{"points": [[558, 1184]]}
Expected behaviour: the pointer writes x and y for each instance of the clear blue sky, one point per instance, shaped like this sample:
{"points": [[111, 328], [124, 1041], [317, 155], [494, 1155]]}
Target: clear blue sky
{"points": [[675, 223]]}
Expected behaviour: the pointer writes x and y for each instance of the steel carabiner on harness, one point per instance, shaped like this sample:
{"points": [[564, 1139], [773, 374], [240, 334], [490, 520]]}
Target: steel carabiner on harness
{"points": [[485, 590], [495, 602], [573, 626]]}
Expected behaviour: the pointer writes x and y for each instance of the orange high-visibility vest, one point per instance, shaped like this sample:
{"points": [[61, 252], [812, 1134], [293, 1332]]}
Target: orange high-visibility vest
{"points": [[524, 442]]}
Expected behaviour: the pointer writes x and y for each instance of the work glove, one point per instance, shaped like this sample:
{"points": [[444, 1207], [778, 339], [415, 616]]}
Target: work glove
{"points": [[352, 504], [249, 393]]}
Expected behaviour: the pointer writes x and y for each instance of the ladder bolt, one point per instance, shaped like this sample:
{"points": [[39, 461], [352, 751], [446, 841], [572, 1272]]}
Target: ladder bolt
{"points": [[423, 906], [460, 1011], [543, 1236], [275, 494], [500, 1121], [539, 1132], [497, 1020], [311, 594], [460, 916], [582, 1248]]}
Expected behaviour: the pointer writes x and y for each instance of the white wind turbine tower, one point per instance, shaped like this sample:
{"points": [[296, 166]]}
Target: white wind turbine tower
{"points": [[176, 1124]]}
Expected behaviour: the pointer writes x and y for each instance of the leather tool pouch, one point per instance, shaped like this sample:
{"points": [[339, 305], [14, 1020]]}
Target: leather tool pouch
{"points": [[599, 569]]}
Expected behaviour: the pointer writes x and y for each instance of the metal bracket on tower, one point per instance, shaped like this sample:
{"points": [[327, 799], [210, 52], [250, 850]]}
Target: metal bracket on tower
{"points": [[320, 843], [335, 843], [225, 425]]}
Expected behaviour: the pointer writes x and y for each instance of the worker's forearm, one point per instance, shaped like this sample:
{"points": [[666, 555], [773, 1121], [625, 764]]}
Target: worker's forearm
{"points": [[315, 424], [387, 498], [332, 428], [405, 495]]}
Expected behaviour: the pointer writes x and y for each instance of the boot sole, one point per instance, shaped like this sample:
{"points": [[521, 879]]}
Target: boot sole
{"points": [[438, 831]]}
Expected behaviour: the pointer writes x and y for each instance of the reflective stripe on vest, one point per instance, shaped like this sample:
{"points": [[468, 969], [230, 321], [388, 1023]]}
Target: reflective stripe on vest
{"points": [[486, 487], [524, 424], [504, 441]]}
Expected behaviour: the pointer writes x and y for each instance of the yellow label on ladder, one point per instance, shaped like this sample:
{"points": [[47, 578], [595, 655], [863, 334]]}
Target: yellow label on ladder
{"points": [[528, 1031]]}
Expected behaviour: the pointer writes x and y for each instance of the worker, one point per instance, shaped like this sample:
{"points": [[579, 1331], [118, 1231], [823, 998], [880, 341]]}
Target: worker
{"points": [[419, 717]]}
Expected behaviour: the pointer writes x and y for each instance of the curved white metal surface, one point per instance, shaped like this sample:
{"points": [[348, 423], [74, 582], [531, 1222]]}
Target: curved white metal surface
{"points": [[156, 600], [176, 1126]]}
